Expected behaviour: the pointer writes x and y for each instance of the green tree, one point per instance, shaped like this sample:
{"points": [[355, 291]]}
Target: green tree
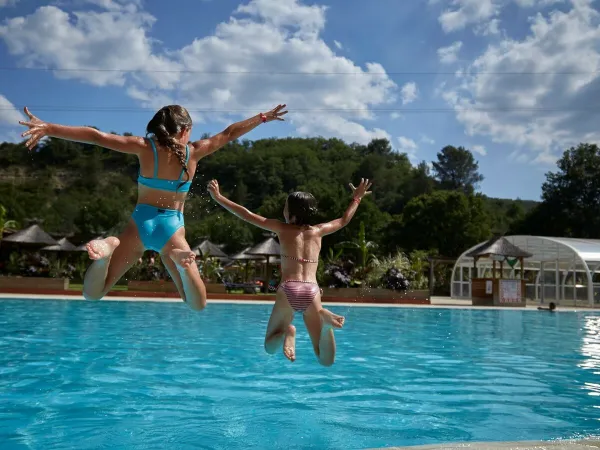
{"points": [[457, 170], [446, 221], [570, 197]]}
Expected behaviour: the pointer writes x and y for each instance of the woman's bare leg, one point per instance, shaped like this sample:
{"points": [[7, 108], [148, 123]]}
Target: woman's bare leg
{"points": [[112, 257], [180, 262]]}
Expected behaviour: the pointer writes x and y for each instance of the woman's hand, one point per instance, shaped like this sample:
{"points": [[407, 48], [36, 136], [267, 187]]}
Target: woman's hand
{"points": [[274, 114], [213, 189], [362, 189], [37, 130]]}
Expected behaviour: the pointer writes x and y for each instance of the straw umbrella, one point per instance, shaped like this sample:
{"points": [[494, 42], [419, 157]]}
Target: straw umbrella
{"points": [[32, 236], [62, 245], [267, 248], [243, 256], [207, 248]]}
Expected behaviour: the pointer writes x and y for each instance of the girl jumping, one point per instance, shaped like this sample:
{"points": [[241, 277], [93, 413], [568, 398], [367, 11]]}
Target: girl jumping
{"points": [[168, 161], [299, 292]]}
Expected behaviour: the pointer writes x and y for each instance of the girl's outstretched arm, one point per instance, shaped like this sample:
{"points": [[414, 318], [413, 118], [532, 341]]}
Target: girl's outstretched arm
{"points": [[205, 147], [39, 129], [337, 224], [241, 212]]}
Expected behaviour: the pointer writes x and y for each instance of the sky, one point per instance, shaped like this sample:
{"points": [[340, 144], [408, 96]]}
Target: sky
{"points": [[515, 81]]}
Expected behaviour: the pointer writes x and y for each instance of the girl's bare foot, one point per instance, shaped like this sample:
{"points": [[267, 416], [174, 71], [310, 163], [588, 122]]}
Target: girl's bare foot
{"points": [[289, 343], [102, 248], [183, 259], [329, 319]]}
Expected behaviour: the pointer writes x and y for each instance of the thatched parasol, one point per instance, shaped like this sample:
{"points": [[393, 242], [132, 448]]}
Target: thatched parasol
{"points": [[207, 248], [267, 248], [32, 235], [63, 245]]}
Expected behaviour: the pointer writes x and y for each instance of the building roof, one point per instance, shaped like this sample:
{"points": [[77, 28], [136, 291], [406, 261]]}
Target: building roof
{"points": [[499, 246]]}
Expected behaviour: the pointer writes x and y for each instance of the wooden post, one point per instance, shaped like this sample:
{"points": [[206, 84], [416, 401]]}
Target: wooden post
{"points": [[522, 268], [494, 269], [501, 269], [431, 276]]}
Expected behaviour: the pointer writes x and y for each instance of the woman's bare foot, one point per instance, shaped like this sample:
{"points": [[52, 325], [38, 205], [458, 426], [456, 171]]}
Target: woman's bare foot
{"points": [[102, 248], [183, 259], [289, 343], [329, 319]]}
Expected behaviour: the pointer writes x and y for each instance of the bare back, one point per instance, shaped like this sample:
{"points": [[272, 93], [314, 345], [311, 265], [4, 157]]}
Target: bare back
{"points": [[299, 243], [169, 168]]}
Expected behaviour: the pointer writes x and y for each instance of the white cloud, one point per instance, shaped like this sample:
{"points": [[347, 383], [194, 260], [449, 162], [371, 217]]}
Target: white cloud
{"points": [[9, 115], [408, 146], [488, 28], [409, 93], [467, 12], [9, 121], [427, 140], [449, 55], [548, 106], [479, 149], [395, 115], [4, 3], [338, 44], [268, 38]]}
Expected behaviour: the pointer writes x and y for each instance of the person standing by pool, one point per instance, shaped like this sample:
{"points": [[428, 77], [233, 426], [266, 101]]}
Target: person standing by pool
{"points": [[157, 221], [299, 292]]}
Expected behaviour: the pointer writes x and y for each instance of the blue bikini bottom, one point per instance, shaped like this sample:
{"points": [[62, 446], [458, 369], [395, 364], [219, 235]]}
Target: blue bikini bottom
{"points": [[156, 225]]}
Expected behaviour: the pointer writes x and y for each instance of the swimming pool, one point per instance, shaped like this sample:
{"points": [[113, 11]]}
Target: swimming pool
{"points": [[133, 375]]}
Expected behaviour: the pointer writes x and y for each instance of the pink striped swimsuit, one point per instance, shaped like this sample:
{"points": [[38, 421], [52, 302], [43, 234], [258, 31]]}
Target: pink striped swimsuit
{"points": [[300, 294]]}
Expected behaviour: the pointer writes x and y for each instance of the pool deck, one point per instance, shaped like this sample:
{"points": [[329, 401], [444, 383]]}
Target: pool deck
{"points": [[436, 302], [527, 445]]}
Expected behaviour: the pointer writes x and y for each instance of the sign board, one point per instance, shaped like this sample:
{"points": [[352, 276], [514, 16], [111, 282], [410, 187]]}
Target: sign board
{"points": [[510, 291], [488, 287]]}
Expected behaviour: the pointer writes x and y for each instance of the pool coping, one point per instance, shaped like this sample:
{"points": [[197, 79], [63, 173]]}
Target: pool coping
{"points": [[567, 444], [441, 303]]}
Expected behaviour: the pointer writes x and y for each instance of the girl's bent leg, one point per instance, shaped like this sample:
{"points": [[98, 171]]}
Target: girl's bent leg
{"points": [[112, 257], [180, 262], [320, 323], [280, 331]]}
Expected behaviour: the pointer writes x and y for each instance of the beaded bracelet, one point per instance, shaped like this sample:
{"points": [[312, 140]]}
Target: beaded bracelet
{"points": [[356, 200], [263, 117]]}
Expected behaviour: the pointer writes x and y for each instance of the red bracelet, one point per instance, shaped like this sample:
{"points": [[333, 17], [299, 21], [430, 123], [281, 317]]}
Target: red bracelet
{"points": [[356, 200], [263, 117]]}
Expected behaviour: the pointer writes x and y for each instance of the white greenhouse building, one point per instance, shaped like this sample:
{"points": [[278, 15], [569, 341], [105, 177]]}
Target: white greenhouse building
{"points": [[561, 270]]}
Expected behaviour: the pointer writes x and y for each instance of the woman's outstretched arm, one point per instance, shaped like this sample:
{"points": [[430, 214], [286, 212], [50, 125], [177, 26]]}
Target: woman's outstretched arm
{"points": [[39, 129], [205, 147], [241, 212]]}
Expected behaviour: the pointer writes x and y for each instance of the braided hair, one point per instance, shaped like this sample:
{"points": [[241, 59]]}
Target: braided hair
{"points": [[302, 206], [167, 123]]}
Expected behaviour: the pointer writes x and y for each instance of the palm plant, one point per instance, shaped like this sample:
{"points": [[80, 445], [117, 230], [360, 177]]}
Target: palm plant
{"points": [[5, 223]]}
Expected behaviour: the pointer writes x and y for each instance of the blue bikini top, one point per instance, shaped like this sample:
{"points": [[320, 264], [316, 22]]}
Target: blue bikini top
{"points": [[161, 183]]}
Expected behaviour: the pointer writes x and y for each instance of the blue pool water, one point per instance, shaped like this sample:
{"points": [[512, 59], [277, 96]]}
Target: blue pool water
{"points": [[125, 375]]}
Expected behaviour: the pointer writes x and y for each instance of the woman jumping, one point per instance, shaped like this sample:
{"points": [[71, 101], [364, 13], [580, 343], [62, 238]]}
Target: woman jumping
{"points": [[157, 221], [299, 292]]}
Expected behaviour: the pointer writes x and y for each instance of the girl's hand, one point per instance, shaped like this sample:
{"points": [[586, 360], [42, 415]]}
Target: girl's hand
{"points": [[275, 114], [37, 129], [213, 189], [362, 189]]}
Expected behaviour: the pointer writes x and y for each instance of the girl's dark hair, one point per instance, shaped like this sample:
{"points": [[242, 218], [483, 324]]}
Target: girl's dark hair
{"points": [[302, 206], [166, 123]]}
